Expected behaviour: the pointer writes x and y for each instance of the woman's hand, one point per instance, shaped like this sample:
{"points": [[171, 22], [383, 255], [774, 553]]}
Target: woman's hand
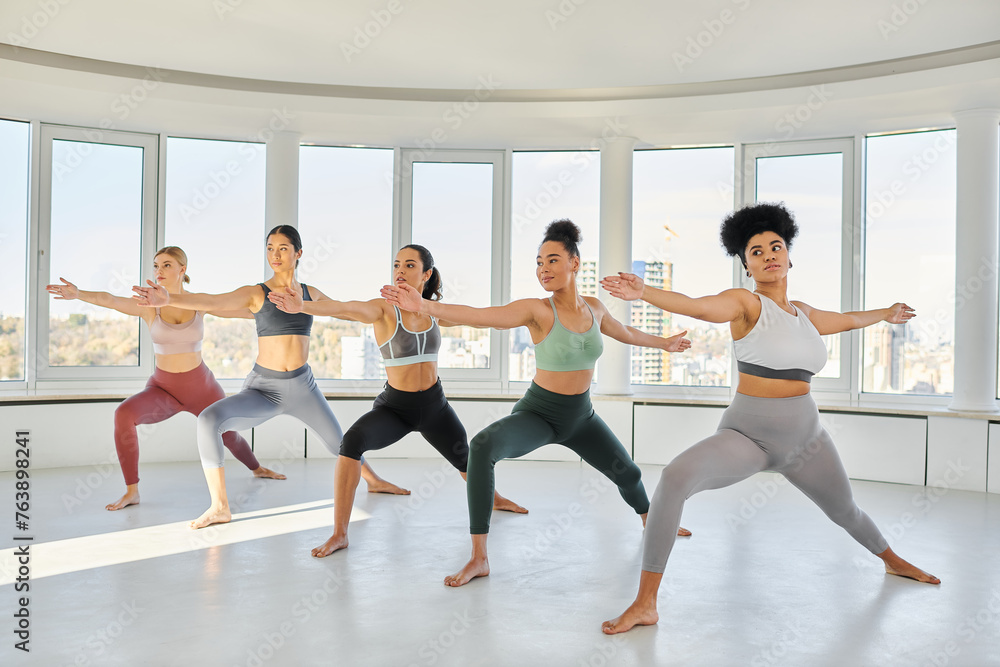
{"points": [[153, 296], [288, 301], [677, 343], [900, 313], [403, 295], [65, 292], [627, 286]]}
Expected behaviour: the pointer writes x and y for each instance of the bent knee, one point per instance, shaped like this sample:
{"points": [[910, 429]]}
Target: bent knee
{"points": [[353, 445]]}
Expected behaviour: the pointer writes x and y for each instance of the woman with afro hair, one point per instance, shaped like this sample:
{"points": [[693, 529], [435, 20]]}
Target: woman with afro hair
{"points": [[566, 329], [772, 423]]}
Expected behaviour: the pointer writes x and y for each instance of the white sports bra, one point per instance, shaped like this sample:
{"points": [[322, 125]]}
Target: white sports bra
{"points": [[781, 346]]}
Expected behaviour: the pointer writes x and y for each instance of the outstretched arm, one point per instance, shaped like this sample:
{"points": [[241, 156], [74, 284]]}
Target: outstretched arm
{"points": [[157, 296], [290, 301], [726, 306], [631, 336], [68, 292], [515, 314], [827, 322]]}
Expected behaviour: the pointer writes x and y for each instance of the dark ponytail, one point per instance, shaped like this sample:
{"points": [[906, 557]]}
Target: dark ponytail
{"points": [[432, 288], [291, 234], [565, 232]]}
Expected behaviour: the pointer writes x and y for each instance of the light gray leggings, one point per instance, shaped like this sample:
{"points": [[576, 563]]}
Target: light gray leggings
{"points": [[756, 434], [267, 394]]}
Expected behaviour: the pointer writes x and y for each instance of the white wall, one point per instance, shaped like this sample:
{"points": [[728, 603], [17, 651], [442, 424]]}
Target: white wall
{"points": [[936, 450]]}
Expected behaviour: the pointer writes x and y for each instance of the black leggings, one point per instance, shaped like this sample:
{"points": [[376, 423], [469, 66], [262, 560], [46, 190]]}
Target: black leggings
{"points": [[396, 413]]}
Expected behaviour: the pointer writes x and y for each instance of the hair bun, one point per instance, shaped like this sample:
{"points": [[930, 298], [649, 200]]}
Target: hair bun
{"points": [[563, 230]]}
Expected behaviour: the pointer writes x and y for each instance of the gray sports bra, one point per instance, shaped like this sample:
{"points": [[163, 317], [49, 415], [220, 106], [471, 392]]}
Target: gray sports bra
{"points": [[407, 347]]}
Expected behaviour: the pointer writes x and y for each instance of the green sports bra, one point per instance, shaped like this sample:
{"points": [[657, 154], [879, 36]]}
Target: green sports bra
{"points": [[565, 350]]}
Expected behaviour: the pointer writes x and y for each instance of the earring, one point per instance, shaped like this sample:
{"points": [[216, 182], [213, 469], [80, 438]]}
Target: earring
{"points": [[789, 263], [748, 274]]}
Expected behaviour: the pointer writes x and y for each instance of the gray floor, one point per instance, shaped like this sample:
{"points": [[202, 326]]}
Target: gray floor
{"points": [[766, 579]]}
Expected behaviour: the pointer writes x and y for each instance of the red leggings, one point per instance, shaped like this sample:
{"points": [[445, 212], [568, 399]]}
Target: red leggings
{"points": [[165, 395]]}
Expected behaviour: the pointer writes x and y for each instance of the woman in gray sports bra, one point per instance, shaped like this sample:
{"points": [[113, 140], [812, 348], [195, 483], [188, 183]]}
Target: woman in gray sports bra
{"points": [[772, 423], [281, 381], [413, 399]]}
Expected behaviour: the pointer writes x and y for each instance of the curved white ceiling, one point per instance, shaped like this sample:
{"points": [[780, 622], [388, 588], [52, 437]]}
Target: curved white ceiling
{"points": [[517, 44]]}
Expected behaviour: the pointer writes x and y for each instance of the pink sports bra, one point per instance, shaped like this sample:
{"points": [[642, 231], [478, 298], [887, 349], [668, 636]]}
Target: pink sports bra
{"points": [[177, 338]]}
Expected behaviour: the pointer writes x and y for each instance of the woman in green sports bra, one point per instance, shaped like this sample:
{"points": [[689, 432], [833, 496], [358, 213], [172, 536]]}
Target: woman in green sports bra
{"points": [[566, 329]]}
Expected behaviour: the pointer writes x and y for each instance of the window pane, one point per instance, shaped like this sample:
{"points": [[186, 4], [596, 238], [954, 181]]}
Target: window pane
{"points": [[215, 212], [96, 223], [678, 202], [549, 186], [811, 186], [910, 257], [345, 218], [14, 158], [453, 218]]}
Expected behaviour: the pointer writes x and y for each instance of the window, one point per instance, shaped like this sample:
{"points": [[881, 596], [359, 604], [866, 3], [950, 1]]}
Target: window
{"points": [[345, 219], [549, 186], [814, 181], [215, 213], [14, 159], [97, 203], [910, 257], [451, 205], [680, 197]]}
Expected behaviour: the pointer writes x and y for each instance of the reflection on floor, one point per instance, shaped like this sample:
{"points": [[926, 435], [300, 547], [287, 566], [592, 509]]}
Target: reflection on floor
{"points": [[766, 579]]}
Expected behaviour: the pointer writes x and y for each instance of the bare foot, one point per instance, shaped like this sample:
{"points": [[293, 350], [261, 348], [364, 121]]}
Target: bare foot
{"points": [[683, 532], [130, 498], [212, 515], [477, 567], [904, 569], [335, 543], [504, 505], [267, 473], [382, 486], [633, 616]]}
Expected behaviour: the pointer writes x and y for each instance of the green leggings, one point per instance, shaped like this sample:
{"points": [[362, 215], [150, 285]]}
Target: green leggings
{"points": [[539, 418]]}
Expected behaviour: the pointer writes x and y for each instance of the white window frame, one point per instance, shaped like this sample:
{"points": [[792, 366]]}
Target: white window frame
{"points": [[850, 271], [55, 377], [494, 377]]}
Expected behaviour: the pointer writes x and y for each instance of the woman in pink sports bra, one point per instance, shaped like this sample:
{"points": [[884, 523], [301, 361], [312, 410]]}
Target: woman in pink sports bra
{"points": [[181, 381]]}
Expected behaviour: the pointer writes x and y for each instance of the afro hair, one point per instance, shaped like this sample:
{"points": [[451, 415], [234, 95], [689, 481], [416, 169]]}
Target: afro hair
{"points": [[745, 223], [565, 232]]}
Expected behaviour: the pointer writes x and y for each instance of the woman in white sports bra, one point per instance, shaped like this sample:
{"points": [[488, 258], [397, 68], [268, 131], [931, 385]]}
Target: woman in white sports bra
{"points": [[413, 399], [181, 382], [772, 423]]}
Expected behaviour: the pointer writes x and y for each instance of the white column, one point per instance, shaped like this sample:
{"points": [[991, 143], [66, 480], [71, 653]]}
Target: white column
{"points": [[281, 190], [614, 368], [976, 261]]}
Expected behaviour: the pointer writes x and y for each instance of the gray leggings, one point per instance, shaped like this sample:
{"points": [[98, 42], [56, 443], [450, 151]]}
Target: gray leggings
{"points": [[267, 394], [779, 434]]}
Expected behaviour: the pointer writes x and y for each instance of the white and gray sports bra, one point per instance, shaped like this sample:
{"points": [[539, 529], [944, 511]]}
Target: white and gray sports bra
{"points": [[407, 347], [781, 346]]}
